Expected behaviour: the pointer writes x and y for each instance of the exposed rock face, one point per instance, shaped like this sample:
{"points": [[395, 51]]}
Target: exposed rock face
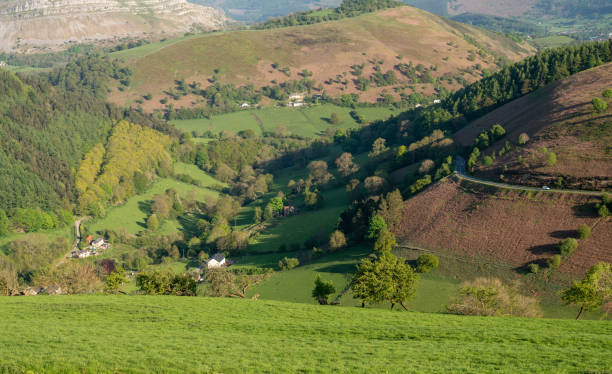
{"points": [[37, 23]]}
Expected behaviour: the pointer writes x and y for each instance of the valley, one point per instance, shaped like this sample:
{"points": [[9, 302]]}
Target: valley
{"points": [[366, 188]]}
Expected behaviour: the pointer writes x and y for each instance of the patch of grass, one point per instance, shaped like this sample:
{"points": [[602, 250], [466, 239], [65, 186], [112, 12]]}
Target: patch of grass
{"points": [[133, 214], [206, 180], [178, 335], [297, 229], [553, 41], [309, 122]]}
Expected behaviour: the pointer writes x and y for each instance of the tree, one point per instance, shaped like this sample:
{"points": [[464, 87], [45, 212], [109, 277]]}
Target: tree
{"points": [[491, 297], [276, 204], [257, 215], [288, 263], [319, 172], [426, 166], [607, 93], [268, 213], [523, 139], [224, 283], [584, 231], [593, 291], [379, 146], [567, 246], [152, 222], [376, 225], [322, 290], [603, 211], [161, 206], [337, 240], [426, 263], [392, 209], [374, 184], [385, 242], [554, 262], [345, 165], [4, 224], [334, 118], [113, 282], [384, 278], [599, 105], [551, 159]]}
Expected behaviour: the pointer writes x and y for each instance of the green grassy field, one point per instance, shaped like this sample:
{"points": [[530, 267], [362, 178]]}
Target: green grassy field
{"points": [[134, 212], [553, 41], [138, 334], [297, 229], [311, 121]]}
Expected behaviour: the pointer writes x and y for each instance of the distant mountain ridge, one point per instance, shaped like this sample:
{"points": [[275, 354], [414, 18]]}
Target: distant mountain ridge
{"points": [[33, 24]]}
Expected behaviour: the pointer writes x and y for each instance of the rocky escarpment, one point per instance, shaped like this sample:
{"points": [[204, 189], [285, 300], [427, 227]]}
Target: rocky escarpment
{"points": [[28, 24]]}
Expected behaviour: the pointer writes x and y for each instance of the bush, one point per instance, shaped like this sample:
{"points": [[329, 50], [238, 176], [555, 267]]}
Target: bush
{"points": [[427, 263], [554, 262], [523, 139], [551, 159], [603, 211], [337, 240], [599, 105], [490, 297], [533, 268], [568, 246], [607, 93], [584, 231], [288, 263], [487, 161]]}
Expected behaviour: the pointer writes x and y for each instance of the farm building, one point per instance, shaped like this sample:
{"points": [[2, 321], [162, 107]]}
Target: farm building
{"points": [[216, 261]]}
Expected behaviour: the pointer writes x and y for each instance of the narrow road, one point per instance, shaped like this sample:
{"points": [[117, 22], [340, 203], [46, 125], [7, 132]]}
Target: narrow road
{"points": [[461, 172], [77, 229]]}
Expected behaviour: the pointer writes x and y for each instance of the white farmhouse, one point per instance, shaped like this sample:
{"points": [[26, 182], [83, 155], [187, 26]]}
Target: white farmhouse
{"points": [[216, 261]]}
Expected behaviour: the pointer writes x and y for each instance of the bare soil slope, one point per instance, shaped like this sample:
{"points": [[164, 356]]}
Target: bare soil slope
{"points": [[502, 226], [328, 50], [560, 118]]}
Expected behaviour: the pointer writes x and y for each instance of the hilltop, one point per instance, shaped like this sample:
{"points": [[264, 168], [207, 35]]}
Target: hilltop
{"points": [[422, 51], [34, 25], [178, 335], [560, 118]]}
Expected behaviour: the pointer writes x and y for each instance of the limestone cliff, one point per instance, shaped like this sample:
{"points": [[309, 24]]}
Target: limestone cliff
{"points": [[27, 24]]}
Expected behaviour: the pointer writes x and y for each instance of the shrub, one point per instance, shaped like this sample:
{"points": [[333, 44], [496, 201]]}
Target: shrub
{"points": [[490, 297], [599, 105], [603, 211], [337, 240], [533, 268], [554, 262], [334, 118], [487, 161], [288, 263], [427, 263], [568, 246], [607, 93], [523, 139], [551, 159], [584, 231]]}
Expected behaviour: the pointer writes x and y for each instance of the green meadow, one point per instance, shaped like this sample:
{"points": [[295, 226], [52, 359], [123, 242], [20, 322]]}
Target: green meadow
{"points": [[162, 334], [133, 214], [309, 122]]}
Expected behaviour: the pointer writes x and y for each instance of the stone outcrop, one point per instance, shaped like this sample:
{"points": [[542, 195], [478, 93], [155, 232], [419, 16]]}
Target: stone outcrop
{"points": [[56, 23]]}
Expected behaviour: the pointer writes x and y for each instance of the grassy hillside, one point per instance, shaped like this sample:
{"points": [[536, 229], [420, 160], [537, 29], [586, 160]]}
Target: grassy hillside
{"points": [[561, 118], [223, 335], [394, 36]]}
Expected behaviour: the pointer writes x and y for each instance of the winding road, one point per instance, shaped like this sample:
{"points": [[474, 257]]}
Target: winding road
{"points": [[461, 172]]}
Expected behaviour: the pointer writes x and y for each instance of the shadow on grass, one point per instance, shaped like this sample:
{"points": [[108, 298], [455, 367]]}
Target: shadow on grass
{"points": [[545, 249], [145, 207], [338, 268], [189, 224]]}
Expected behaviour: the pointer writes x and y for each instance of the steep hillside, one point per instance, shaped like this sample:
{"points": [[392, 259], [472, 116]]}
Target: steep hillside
{"points": [[559, 117], [503, 226], [390, 41], [32, 24], [202, 335]]}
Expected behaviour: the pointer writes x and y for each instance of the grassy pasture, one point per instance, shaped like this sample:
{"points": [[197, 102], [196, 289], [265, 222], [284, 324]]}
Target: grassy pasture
{"points": [[311, 121], [133, 214], [297, 229], [137, 334]]}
